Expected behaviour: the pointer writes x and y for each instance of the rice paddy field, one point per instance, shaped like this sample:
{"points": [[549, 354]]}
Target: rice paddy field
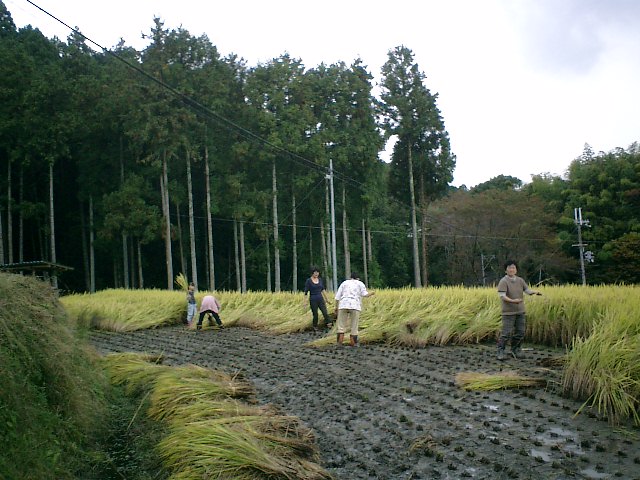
{"points": [[424, 397]]}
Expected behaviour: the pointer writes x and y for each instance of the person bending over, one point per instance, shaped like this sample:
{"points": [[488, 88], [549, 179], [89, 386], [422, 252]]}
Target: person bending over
{"points": [[210, 306]]}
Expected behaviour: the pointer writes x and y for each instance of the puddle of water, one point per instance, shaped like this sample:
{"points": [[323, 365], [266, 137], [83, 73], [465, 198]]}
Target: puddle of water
{"points": [[493, 408]]}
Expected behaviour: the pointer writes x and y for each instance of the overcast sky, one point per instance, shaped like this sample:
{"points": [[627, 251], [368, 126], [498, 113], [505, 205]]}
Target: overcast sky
{"points": [[522, 84]]}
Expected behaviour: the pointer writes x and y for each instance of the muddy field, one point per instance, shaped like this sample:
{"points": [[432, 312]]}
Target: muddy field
{"points": [[395, 413]]}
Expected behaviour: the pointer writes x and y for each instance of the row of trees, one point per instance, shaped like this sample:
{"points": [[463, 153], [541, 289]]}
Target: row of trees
{"points": [[133, 166], [475, 230], [218, 164]]}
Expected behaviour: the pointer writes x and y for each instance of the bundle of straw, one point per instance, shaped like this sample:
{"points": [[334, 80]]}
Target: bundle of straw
{"points": [[498, 381]]}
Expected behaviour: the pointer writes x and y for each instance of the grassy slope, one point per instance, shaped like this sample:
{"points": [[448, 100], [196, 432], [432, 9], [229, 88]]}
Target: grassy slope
{"points": [[59, 418], [50, 396]]}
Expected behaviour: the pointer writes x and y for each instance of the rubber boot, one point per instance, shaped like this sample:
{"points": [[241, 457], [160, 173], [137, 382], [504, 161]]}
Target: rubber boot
{"points": [[340, 339], [516, 349], [501, 346], [353, 340], [518, 353]]}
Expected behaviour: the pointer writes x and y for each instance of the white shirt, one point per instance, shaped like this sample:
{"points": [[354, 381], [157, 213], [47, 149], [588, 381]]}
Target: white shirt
{"points": [[350, 294]]}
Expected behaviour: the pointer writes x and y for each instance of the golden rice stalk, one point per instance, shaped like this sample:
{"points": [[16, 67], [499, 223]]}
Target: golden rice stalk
{"points": [[283, 434], [176, 388], [123, 310], [214, 450], [212, 409], [605, 369], [498, 381], [133, 371], [181, 281]]}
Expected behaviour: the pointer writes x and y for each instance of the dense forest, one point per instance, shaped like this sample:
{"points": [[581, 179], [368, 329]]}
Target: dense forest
{"points": [[134, 166]]}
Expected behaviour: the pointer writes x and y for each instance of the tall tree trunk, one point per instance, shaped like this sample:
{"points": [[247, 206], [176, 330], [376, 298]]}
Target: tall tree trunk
{"points": [[21, 217], [329, 246], [140, 275], [1, 239], [183, 261], [85, 248], [167, 242], [414, 224], [125, 260], [43, 242], [345, 235], [243, 261], [192, 226], [125, 242], [206, 261], [364, 253], [116, 278], [52, 225], [276, 242], [92, 251], [369, 247], [9, 214], [325, 257], [268, 265], [237, 257], [132, 262], [295, 244], [212, 271], [423, 231]]}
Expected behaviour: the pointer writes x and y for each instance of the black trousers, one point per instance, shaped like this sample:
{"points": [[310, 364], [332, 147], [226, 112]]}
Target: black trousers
{"points": [[212, 313], [316, 303]]}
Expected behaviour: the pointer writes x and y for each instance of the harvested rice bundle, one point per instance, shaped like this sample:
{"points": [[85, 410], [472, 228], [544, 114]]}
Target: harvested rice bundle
{"points": [[497, 381], [134, 371], [183, 386], [211, 409], [232, 450]]}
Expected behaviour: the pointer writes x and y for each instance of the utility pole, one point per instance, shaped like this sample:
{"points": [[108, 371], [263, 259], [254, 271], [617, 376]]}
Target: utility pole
{"points": [[334, 257], [488, 259], [577, 219]]}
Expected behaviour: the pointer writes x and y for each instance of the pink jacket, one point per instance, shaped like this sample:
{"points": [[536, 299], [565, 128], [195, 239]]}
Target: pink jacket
{"points": [[209, 302]]}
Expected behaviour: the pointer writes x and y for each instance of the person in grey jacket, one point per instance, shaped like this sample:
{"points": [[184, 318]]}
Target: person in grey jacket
{"points": [[511, 290]]}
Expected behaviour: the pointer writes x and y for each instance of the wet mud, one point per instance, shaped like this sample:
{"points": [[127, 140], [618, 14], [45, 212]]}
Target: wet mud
{"points": [[383, 412]]}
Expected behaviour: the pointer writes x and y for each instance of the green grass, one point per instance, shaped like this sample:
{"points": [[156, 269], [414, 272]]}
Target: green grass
{"points": [[51, 395]]}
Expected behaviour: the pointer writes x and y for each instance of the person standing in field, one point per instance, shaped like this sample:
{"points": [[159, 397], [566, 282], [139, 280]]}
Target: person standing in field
{"points": [[210, 306], [191, 303], [349, 297], [317, 298], [511, 289]]}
